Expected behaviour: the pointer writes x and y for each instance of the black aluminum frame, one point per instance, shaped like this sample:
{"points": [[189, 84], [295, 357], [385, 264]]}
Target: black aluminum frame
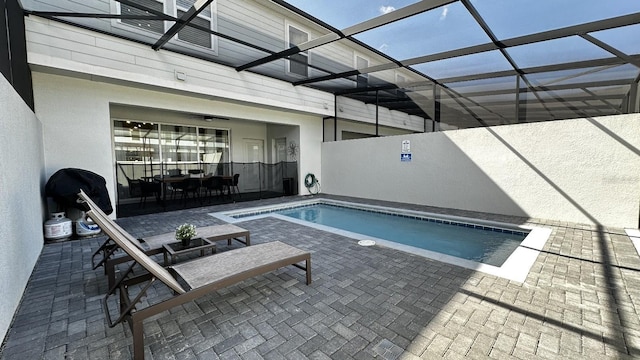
{"points": [[384, 93]]}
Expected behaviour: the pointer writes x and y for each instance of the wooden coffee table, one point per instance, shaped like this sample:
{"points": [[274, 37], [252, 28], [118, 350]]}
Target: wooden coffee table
{"points": [[174, 249]]}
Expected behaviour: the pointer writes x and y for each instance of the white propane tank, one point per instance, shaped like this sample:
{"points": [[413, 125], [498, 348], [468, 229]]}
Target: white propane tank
{"points": [[57, 227]]}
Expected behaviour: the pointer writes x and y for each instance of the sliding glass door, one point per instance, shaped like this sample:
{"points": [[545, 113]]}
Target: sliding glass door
{"points": [[179, 149], [213, 150], [137, 154], [149, 152]]}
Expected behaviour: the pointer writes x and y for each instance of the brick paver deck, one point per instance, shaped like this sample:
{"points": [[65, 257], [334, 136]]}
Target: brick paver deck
{"points": [[580, 300]]}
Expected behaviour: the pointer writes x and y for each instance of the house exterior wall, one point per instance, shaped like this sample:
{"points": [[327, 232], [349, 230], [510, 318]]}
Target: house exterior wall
{"points": [[366, 113], [78, 74], [357, 127], [115, 67], [582, 170], [77, 121], [62, 46], [52, 45], [22, 191]]}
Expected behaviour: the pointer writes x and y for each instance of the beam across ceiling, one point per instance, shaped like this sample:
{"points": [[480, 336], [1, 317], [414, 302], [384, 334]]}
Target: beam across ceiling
{"points": [[181, 22], [373, 23], [497, 44], [55, 14], [456, 88], [539, 69], [568, 31]]}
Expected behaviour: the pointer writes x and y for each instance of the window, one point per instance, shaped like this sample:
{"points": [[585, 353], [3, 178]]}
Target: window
{"points": [[362, 79], [204, 19], [147, 150], [299, 61], [400, 81], [150, 25], [188, 35]]}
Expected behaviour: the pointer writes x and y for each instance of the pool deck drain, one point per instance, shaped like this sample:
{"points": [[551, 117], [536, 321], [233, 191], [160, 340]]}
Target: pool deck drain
{"points": [[366, 242]]}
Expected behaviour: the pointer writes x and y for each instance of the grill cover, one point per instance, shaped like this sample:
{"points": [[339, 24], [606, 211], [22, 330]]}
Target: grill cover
{"points": [[65, 184]]}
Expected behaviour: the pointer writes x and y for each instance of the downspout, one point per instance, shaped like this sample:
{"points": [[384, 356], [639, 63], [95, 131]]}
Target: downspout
{"points": [[324, 126], [335, 118], [517, 119], [436, 107], [377, 114]]}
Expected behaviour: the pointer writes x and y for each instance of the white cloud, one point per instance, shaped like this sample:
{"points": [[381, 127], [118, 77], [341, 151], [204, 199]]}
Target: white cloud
{"points": [[386, 9], [445, 11]]}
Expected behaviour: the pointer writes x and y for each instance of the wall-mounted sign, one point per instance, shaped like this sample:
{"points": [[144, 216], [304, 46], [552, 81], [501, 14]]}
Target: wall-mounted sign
{"points": [[405, 154], [406, 146]]}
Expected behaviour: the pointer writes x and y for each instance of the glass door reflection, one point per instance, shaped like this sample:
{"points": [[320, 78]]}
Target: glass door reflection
{"points": [[179, 149], [213, 150]]}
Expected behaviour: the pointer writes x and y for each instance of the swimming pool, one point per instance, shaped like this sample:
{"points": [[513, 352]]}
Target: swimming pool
{"points": [[501, 249], [483, 244]]}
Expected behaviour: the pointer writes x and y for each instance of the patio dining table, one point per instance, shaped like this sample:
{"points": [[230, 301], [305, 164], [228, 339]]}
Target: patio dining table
{"points": [[227, 180]]}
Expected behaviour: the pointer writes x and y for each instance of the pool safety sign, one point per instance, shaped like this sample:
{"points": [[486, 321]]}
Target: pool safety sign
{"points": [[405, 154]]}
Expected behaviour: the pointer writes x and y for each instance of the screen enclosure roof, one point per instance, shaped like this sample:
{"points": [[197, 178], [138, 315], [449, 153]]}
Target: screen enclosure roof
{"points": [[464, 62]]}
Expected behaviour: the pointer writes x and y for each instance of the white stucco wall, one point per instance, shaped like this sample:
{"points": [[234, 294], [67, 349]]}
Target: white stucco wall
{"points": [[582, 170], [75, 114], [21, 190]]}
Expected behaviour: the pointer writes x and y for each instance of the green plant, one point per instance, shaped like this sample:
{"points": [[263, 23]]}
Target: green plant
{"points": [[186, 232]]}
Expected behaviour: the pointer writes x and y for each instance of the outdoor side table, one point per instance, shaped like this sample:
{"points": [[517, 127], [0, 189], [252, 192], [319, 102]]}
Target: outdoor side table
{"points": [[173, 250]]}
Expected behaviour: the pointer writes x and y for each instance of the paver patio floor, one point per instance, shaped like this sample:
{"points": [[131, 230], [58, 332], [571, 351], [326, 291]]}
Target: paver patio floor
{"points": [[580, 300]]}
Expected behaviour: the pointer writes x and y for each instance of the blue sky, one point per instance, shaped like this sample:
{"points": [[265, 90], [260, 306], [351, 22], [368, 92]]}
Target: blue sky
{"points": [[451, 27]]}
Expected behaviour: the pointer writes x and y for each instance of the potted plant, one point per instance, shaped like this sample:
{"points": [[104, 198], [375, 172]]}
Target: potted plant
{"points": [[185, 232]]}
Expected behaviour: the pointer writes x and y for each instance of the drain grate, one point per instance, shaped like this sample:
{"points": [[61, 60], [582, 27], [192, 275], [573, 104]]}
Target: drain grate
{"points": [[366, 242]]}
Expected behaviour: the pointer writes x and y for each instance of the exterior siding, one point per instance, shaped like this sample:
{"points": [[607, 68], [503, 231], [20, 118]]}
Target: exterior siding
{"points": [[124, 60], [249, 21], [253, 21]]}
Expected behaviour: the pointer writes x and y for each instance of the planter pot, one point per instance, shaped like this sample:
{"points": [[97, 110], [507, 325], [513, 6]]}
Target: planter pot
{"points": [[185, 242]]}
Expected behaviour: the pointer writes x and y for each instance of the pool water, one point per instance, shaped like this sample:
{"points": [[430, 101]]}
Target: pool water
{"points": [[490, 246]]}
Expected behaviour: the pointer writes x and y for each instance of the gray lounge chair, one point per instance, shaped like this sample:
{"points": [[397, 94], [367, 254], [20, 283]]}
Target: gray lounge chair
{"points": [[200, 276], [153, 245]]}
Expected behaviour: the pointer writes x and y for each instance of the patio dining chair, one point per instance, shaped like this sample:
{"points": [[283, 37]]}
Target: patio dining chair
{"points": [[187, 281], [192, 186], [143, 189], [233, 185], [213, 184]]}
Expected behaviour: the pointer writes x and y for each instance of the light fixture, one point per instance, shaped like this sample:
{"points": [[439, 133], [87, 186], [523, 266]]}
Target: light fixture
{"points": [[181, 75]]}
